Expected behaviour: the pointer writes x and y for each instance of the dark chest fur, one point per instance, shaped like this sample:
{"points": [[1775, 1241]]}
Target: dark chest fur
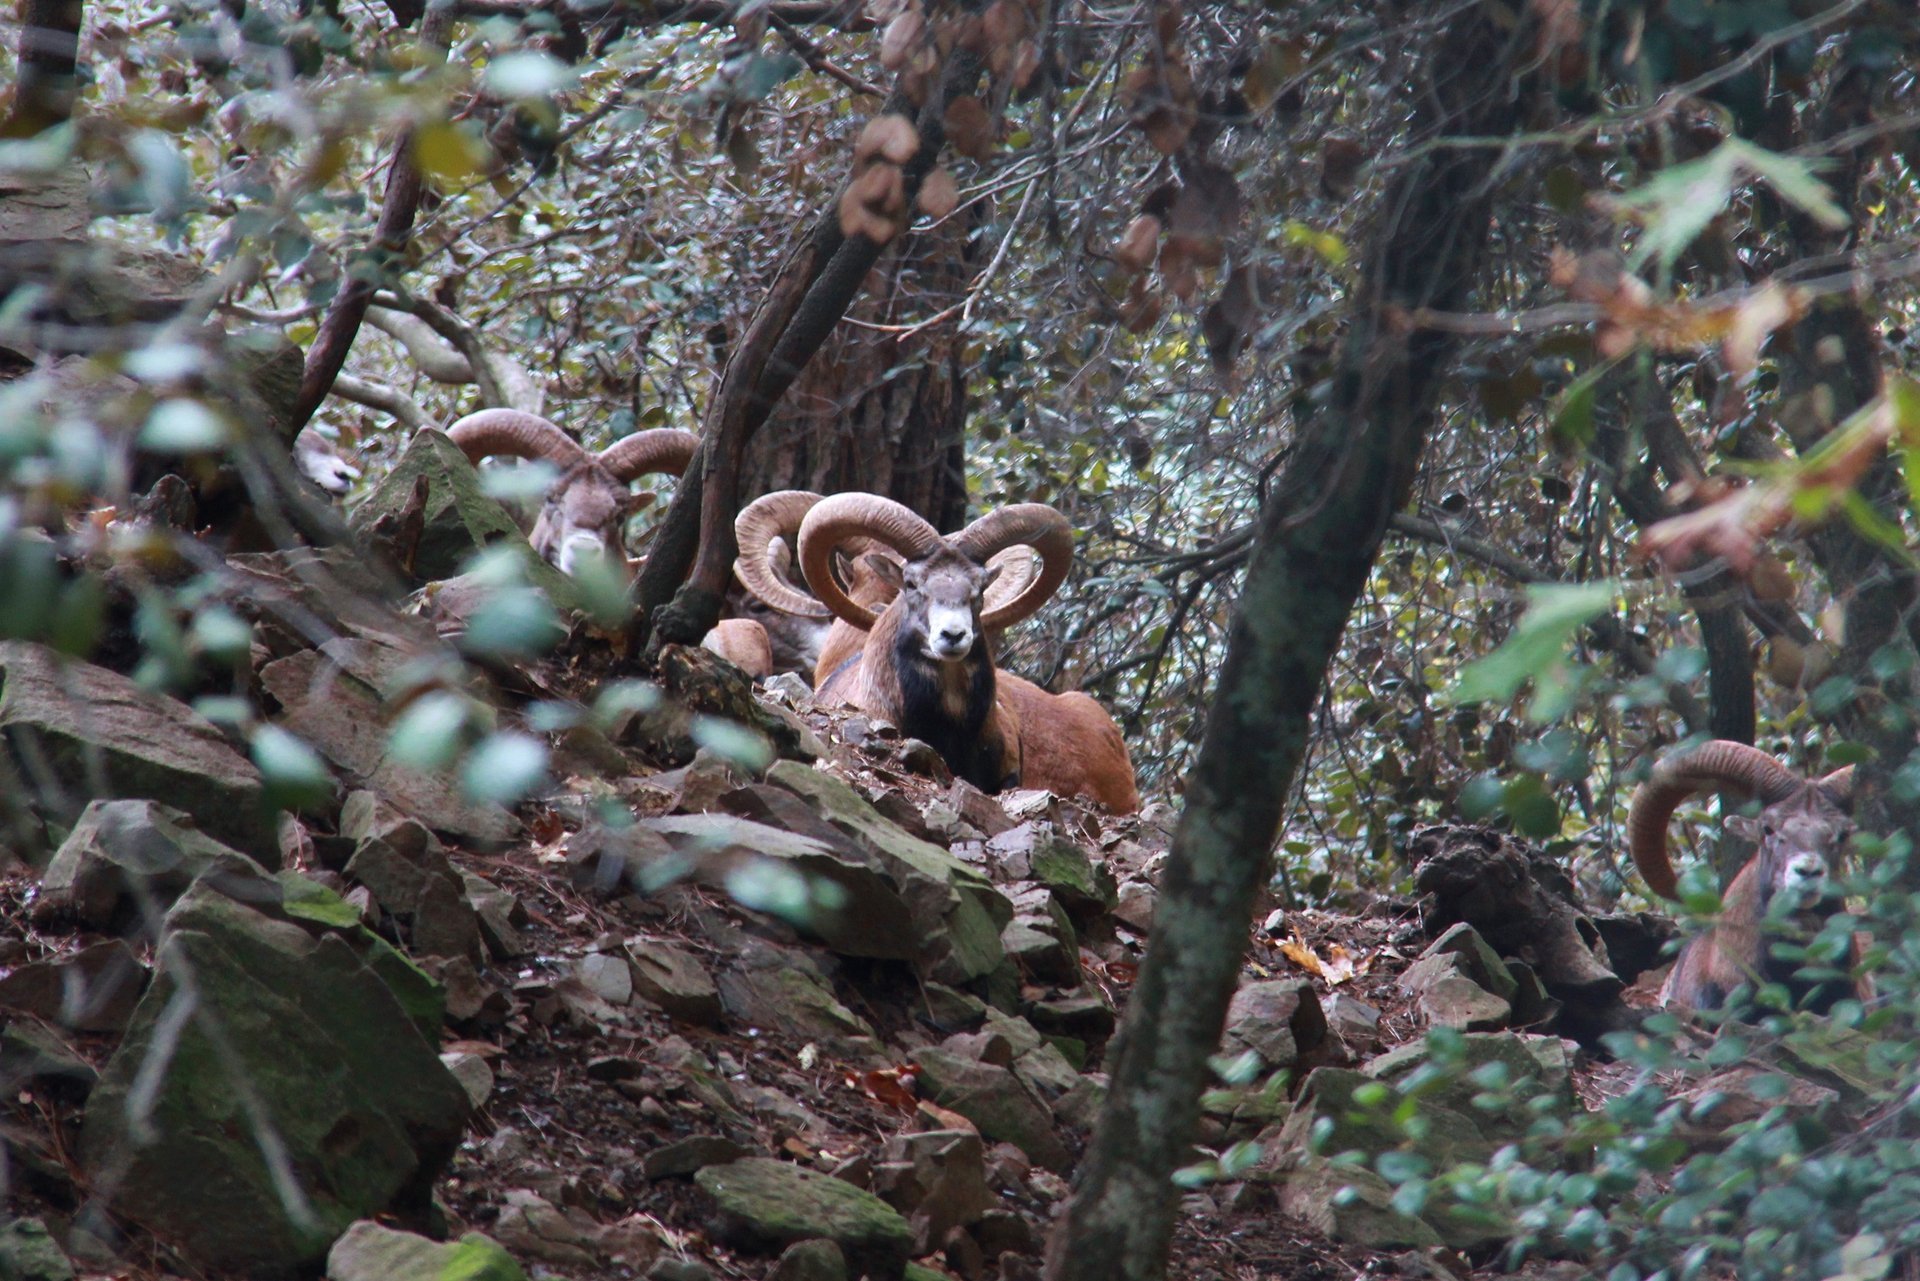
{"points": [[949, 714]]}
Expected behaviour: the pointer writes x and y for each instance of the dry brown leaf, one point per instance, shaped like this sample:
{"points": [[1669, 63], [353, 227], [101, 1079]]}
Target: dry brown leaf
{"points": [[1142, 308], [1004, 24], [890, 137], [1139, 244], [1341, 159], [873, 204], [1026, 61], [1339, 965], [939, 194], [1297, 950], [969, 128], [897, 1088], [902, 36]]}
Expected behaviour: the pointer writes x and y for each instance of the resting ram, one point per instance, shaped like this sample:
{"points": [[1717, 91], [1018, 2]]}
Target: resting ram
{"points": [[587, 505], [802, 634], [1069, 745], [1802, 838]]}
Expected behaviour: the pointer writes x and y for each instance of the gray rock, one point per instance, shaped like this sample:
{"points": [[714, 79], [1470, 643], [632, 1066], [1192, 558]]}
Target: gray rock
{"points": [[1449, 998], [1066, 867], [1478, 961], [672, 979], [368, 1252], [293, 1045], [769, 993], [475, 1077], [1133, 906], [938, 1179], [957, 913], [679, 1270], [1047, 1070], [1082, 1018], [1000, 1104], [607, 976], [1278, 1020], [1042, 950], [502, 916], [331, 698], [850, 905], [1356, 1023], [766, 1204], [532, 1226], [810, 1261], [92, 990], [1317, 1196], [71, 728], [418, 886], [286, 593], [677, 1160], [460, 519], [34, 1055], [28, 1253], [125, 862]]}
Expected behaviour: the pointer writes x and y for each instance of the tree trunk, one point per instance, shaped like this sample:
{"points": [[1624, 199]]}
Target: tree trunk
{"points": [[48, 61], [1351, 467], [810, 293], [879, 411]]}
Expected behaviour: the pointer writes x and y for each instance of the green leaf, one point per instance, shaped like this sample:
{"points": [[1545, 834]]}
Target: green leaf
{"points": [[180, 426], [505, 768], [1538, 642], [1571, 426], [428, 734], [514, 622], [294, 774], [731, 741], [220, 633], [529, 73]]}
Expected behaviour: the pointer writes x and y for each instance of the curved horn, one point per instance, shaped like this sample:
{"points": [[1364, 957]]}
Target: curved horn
{"points": [[1035, 525], [770, 516], [843, 517], [657, 449], [1838, 784], [1679, 776], [516, 433], [1017, 572]]}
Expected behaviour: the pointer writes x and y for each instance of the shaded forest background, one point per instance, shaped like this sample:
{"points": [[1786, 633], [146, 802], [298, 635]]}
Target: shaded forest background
{"points": [[1457, 404], [1149, 242]]}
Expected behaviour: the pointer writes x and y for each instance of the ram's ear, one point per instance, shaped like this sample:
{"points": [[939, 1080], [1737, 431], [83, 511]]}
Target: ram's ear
{"points": [[887, 569], [637, 502], [1744, 826]]}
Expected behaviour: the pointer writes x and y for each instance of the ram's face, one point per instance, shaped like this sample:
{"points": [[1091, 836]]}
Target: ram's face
{"points": [[940, 598], [585, 516], [1803, 841]]}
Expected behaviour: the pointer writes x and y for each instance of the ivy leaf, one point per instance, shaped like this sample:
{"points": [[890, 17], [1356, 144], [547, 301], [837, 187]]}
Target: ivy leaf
{"points": [[1538, 642]]}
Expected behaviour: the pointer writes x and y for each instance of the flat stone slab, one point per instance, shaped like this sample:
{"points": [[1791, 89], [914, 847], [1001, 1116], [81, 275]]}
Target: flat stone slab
{"points": [[77, 732], [768, 1205]]}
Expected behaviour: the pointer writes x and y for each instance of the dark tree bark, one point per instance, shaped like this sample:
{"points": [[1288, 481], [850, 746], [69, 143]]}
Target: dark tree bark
{"points": [[810, 293], [875, 410], [341, 325], [1830, 366], [48, 59], [1719, 599], [1350, 468]]}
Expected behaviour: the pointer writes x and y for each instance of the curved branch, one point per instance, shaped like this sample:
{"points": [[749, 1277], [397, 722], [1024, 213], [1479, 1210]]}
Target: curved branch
{"points": [[388, 400], [424, 348], [405, 186]]}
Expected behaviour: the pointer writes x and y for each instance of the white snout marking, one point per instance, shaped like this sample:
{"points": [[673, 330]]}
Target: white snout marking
{"points": [[949, 632], [576, 549], [335, 475], [1805, 871]]}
